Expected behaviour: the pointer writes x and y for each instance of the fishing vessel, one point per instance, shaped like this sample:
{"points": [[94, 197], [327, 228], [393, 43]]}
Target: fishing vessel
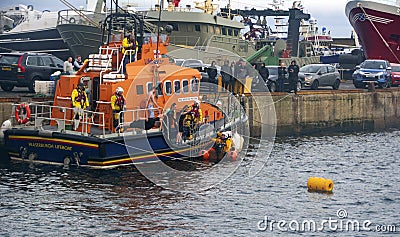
{"points": [[36, 31], [53, 134], [192, 28], [376, 24]]}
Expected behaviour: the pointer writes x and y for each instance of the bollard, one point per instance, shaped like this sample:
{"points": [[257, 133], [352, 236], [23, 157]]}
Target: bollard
{"points": [[371, 86], [316, 184]]}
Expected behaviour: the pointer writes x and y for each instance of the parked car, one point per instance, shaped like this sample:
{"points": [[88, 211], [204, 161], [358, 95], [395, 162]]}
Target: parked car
{"points": [[316, 75], [22, 69], [272, 82], [395, 74], [377, 71]]}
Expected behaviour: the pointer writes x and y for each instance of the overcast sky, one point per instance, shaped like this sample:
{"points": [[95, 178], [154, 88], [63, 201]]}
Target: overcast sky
{"points": [[329, 13]]}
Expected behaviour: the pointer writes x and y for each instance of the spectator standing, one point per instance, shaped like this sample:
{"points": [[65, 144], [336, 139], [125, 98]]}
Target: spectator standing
{"points": [[78, 62], [281, 76], [264, 72], [233, 76], [226, 74], [68, 68], [293, 70], [212, 74], [241, 74]]}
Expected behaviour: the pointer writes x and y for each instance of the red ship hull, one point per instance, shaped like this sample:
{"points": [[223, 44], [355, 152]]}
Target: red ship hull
{"points": [[378, 28]]}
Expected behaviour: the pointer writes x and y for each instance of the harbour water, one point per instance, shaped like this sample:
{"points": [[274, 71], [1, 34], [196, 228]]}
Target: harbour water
{"points": [[42, 200]]}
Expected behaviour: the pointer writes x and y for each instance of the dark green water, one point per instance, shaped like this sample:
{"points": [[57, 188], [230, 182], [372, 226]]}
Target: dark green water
{"points": [[42, 200]]}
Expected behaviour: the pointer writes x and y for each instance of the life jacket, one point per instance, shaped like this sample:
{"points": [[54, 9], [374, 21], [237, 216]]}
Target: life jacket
{"points": [[81, 98], [195, 111], [120, 100]]}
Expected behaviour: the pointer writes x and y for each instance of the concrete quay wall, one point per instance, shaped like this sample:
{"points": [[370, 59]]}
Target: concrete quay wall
{"points": [[332, 112]]}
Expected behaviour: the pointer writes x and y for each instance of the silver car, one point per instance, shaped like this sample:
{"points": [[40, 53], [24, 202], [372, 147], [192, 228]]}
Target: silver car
{"points": [[316, 75]]}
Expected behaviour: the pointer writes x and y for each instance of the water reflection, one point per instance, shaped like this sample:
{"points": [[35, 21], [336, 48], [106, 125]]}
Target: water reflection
{"points": [[42, 200]]}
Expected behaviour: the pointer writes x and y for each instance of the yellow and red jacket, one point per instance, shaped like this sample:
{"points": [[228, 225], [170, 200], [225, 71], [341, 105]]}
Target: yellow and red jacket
{"points": [[117, 102], [79, 99]]}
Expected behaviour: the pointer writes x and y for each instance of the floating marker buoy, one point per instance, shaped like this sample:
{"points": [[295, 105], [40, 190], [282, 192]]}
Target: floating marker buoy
{"points": [[319, 184]]}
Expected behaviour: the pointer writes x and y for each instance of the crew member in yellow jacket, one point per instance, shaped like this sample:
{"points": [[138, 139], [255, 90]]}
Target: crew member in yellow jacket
{"points": [[129, 49], [118, 103], [80, 101]]}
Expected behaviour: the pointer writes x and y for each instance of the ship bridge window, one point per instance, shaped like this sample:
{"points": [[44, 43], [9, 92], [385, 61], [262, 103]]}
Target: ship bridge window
{"points": [[168, 87], [177, 87], [230, 32], [217, 30], [195, 84], [210, 29], [223, 30], [197, 27], [185, 86], [175, 26], [139, 90], [235, 32]]}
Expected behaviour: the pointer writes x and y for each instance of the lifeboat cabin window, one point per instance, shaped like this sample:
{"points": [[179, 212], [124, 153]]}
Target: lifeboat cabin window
{"points": [[149, 86], [139, 90], [168, 88], [159, 89], [185, 86], [195, 84], [177, 87]]}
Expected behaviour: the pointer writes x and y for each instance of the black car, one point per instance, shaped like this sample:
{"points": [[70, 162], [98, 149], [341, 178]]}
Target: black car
{"points": [[272, 82], [22, 69]]}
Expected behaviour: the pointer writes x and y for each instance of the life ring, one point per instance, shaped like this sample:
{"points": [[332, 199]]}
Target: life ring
{"points": [[28, 113], [72, 20]]}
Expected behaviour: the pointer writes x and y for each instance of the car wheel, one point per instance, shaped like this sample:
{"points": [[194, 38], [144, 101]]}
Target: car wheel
{"points": [[385, 85], [272, 87], [7, 87], [336, 84], [359, 86], [298, 86], [31, 85], [314, 85]]}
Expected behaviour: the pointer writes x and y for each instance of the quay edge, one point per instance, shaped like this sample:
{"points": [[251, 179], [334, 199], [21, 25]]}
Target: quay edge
{"points": [[333, 112], [309, 112]]}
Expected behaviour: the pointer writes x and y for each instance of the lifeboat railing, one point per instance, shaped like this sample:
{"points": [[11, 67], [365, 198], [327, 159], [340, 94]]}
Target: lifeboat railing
{"points": [[127, 52], [134, 115], [110, 51], [42, 114]]}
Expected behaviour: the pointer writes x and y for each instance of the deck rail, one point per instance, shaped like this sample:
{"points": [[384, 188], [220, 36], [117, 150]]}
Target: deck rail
{"points": [[42, 114]]}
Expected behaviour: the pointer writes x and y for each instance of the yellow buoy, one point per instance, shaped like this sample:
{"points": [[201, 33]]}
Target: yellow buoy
{"points": [[319, 184]]}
